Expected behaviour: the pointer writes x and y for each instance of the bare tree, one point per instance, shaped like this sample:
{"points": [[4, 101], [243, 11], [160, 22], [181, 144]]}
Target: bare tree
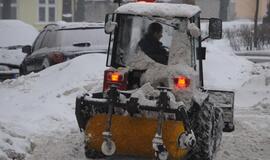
{"points": [[79, 11], [67, 11], [256, 24], [6, 12], [266, 19]]}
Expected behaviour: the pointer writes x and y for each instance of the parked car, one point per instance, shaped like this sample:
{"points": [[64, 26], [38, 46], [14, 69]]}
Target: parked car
{"points": [[14, 35], [63, 41]]}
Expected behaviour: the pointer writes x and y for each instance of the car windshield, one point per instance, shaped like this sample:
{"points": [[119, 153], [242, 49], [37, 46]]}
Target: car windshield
{"points": [[94, 38], [133, 28]]}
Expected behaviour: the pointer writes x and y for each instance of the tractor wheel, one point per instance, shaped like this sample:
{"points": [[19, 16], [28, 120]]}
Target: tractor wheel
{"points": [[218, 128], [82, 112], [202, 123]]}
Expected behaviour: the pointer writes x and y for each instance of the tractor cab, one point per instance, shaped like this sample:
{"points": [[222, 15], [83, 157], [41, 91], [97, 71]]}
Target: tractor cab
{"points": [[181, 35]]}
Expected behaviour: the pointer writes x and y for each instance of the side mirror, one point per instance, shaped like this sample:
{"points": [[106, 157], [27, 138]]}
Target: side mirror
{"points": [[110, 27], [194, 30], [27, 49], [215, 28]]}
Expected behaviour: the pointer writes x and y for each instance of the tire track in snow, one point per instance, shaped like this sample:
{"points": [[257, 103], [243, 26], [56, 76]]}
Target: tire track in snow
{"points": [[250, 140]]}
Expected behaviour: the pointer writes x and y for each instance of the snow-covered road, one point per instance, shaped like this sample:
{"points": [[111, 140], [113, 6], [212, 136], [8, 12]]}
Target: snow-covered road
{"points": [[251, 139]]}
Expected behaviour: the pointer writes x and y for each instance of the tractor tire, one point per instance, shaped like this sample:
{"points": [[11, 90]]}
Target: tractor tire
{"points": [[204, 124], [82, 113], [218, 129]]}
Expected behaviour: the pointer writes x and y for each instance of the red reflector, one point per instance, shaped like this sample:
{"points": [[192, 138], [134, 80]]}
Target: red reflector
{"points": [[181, 82]]}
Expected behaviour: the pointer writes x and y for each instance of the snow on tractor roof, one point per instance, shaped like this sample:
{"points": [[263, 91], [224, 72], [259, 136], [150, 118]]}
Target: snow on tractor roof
{"points": [[159, 9]]}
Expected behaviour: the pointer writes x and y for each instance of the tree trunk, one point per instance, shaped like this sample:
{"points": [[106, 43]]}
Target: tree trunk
{"points": [[266, 19], [256, 24], [67, 11], [79, 12], [6, 13], [223, 9]]}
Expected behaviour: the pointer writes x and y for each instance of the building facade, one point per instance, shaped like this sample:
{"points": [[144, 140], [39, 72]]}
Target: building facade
{"points": [[245, 9], [39, 12], [237, 9], [95, 10], [35, 12]]}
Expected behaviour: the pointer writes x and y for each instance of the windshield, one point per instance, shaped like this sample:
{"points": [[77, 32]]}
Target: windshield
{"points": [[94, 38], [132, 30]]}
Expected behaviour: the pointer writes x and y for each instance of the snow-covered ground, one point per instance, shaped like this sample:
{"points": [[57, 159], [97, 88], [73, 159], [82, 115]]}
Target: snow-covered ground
{"points": [[37, 116], [251, 83]]}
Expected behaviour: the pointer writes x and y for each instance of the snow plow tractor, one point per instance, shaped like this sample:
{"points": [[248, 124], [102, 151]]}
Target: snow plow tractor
{"points": [[151, 109]]}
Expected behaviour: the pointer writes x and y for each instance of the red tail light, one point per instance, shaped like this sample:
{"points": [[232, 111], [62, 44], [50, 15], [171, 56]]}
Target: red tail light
{"points": [[181, 82], [114, 78], [57, 57]]}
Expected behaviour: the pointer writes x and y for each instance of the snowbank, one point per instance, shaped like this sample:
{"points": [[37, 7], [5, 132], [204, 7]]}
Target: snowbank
{"points": [[222, 68], [41, 102], [16, 32]]}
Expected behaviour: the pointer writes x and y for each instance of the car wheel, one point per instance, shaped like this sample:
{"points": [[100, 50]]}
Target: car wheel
{"points": [[46, 63]]}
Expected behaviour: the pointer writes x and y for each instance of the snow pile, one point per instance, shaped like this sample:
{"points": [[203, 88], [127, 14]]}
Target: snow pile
{"points": [[222, 68], [15, 33], [11, 56], [257, 89], [41, 102]]}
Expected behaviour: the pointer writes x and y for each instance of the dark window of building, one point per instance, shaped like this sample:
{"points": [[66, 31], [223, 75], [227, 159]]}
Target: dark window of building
{"points": [[10, 12], [51, 1], [42, 14], [51, 14], [47, 11], [42, 1]]}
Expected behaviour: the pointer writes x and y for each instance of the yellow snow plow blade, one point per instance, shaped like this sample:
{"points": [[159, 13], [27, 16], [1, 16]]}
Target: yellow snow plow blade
{"points": [[133, 136]]}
